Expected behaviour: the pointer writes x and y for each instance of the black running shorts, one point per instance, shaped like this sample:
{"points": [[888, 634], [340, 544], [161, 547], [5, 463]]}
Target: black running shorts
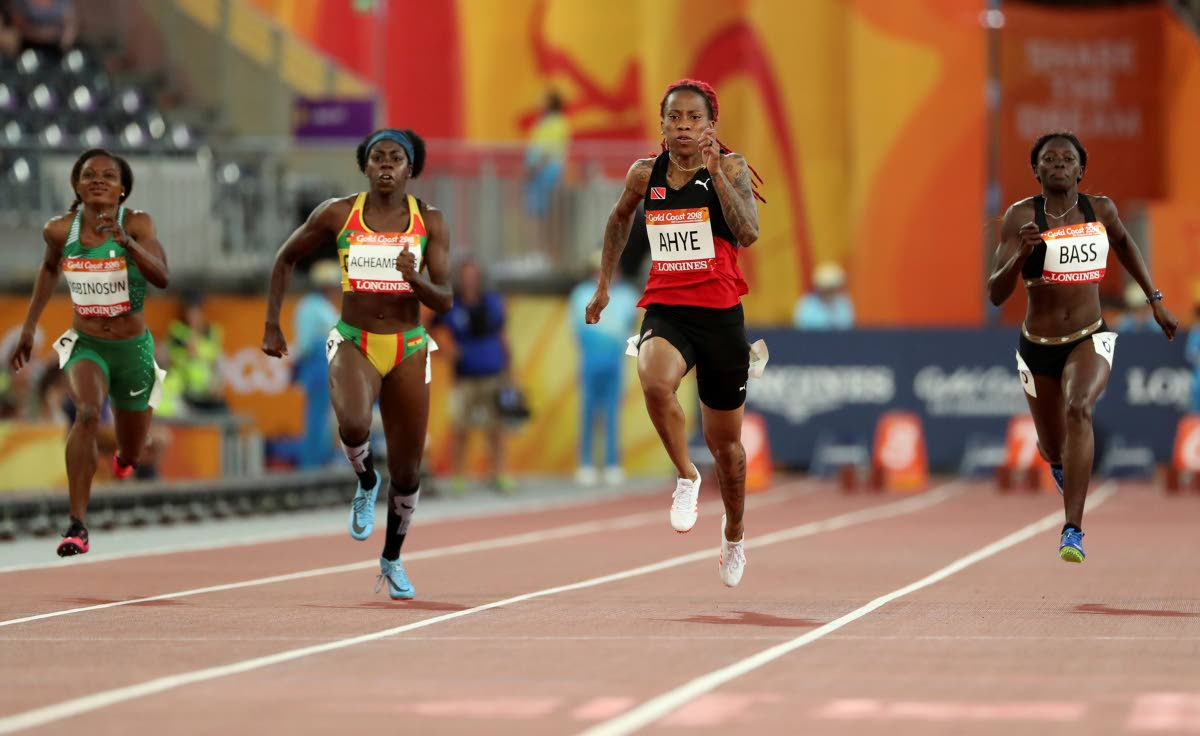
{"points": [[711, 340]]}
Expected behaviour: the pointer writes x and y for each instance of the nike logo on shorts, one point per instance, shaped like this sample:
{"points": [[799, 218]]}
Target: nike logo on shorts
{"points": [[137, 393]]}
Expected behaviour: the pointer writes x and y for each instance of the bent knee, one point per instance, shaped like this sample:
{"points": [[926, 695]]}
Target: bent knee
{"points": [[726, 453], [658, 389], [354, 432], [1079, 411], [87, 416]]}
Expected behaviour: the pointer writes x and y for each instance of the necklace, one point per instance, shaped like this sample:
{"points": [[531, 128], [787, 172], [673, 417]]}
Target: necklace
{"points": [[681, 168], [1064, 214]]}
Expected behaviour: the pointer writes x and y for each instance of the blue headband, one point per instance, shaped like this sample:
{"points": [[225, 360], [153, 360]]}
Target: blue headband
{"points": [[392, 135]]}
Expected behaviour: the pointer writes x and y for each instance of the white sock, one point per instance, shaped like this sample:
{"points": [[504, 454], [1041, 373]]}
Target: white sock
{"points": [[405, 507], [358, 456]]}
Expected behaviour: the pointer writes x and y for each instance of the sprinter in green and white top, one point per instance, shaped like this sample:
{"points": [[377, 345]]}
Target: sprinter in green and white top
{"points": [[108, 253]]}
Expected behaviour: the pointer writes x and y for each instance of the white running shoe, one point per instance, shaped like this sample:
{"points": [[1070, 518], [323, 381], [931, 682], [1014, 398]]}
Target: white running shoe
{"points": [[733, 559], [586, 475], [685, 502]]}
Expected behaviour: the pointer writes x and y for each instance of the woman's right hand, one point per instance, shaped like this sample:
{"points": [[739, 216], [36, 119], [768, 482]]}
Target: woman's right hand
{"points": [[23, 352], [274, 344], [597, 304], [1030, 237]]}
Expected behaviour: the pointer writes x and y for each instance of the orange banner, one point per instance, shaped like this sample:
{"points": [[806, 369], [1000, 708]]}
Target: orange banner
{"points": [[1096, 72], [544, 355]]}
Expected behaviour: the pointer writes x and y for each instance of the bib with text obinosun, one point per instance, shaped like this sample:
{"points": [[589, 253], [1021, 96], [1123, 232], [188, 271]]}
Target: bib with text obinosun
{"points": [[99, 286], [680, 240], [1075, 254]]}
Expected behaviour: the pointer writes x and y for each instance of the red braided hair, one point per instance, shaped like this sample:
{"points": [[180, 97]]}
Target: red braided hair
{"points": [[705, 90]]}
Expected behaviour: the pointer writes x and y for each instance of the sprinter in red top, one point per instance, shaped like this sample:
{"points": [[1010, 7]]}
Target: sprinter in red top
{"points": [[700, 208]]}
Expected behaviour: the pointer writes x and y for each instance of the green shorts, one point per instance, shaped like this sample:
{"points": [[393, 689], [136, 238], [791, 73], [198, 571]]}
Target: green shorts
{"points": [[134, 379]]}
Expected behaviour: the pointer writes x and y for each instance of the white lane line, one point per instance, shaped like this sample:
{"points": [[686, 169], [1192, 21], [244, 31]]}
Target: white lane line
{"points": [[321, 527], [782, 494], [616, 637], [106, 698], [655, 708]]}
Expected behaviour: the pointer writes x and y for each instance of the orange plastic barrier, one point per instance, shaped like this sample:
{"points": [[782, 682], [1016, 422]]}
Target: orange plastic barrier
{"points": [[758, 452], [899, 461], [1185, 461], [1024, 467]]}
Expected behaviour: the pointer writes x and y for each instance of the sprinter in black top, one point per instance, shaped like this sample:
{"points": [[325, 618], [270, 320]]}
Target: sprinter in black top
{"points": [[1058, 242]]}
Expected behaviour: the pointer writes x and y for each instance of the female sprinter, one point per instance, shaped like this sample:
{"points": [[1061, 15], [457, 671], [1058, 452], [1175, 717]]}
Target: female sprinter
{"points": [[700, 208], [394, 253], [108, 254], [1057, 243]]}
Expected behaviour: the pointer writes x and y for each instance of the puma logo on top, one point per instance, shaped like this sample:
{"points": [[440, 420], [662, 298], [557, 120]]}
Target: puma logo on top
{"points": [[704, 183]]}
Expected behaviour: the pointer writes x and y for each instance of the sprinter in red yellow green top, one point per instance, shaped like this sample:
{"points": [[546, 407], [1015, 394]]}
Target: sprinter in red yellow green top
{"points": [[394, 252]]}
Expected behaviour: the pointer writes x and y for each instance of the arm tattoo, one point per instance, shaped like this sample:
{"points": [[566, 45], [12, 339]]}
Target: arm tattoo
{"points": [[616, 232], [737, 200]]}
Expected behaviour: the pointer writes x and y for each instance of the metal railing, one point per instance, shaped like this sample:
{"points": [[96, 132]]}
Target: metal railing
{"points": [[222, 212]]}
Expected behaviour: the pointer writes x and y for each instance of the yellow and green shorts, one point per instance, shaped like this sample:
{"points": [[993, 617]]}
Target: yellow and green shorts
{"points": [[384, 351]]}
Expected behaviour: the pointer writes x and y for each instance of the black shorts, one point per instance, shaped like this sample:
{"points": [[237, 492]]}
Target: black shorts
{"points": [[711, 340], [1050, 360]]}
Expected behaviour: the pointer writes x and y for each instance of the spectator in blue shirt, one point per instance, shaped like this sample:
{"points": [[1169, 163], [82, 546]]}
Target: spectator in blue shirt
{"points": [[480, 351], [316, 314], [601, 359], [827, 307]]}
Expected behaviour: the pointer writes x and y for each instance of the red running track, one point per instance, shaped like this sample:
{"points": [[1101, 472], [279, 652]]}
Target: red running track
{"points": [[598, 618]]}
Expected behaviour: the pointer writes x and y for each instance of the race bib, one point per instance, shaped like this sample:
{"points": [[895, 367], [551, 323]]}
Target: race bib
{"points": [[1105, 344], [99, 286], [430, 346], [332, 342], [1026, 377], [64, 345], [371, 261], [680, 240], [1075, 254]]}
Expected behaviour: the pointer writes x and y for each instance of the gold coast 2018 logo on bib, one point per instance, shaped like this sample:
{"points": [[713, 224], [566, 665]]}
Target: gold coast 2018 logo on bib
{"points": [[1075, 254], [99, 286], [371, 261], [680, 240]]}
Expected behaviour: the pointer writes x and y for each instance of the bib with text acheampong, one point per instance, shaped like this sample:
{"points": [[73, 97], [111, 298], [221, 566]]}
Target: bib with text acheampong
{"points": [[680, 240], [99, 286], [1075, 254], [371, 261]]}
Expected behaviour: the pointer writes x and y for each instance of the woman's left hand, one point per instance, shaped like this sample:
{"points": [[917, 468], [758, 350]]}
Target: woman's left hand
{"points": [[113, 229], [1165, 319], [406, 264], [710, 149]]}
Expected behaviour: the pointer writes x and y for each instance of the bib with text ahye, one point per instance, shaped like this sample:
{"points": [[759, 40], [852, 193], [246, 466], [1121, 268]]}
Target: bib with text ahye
{"points": [[680, 240], [1075, 254]]}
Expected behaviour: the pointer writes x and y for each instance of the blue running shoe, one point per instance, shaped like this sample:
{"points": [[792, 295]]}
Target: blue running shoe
{"points": [[1056, 471], [1070, 547], [397, 581], [362, 510]]}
